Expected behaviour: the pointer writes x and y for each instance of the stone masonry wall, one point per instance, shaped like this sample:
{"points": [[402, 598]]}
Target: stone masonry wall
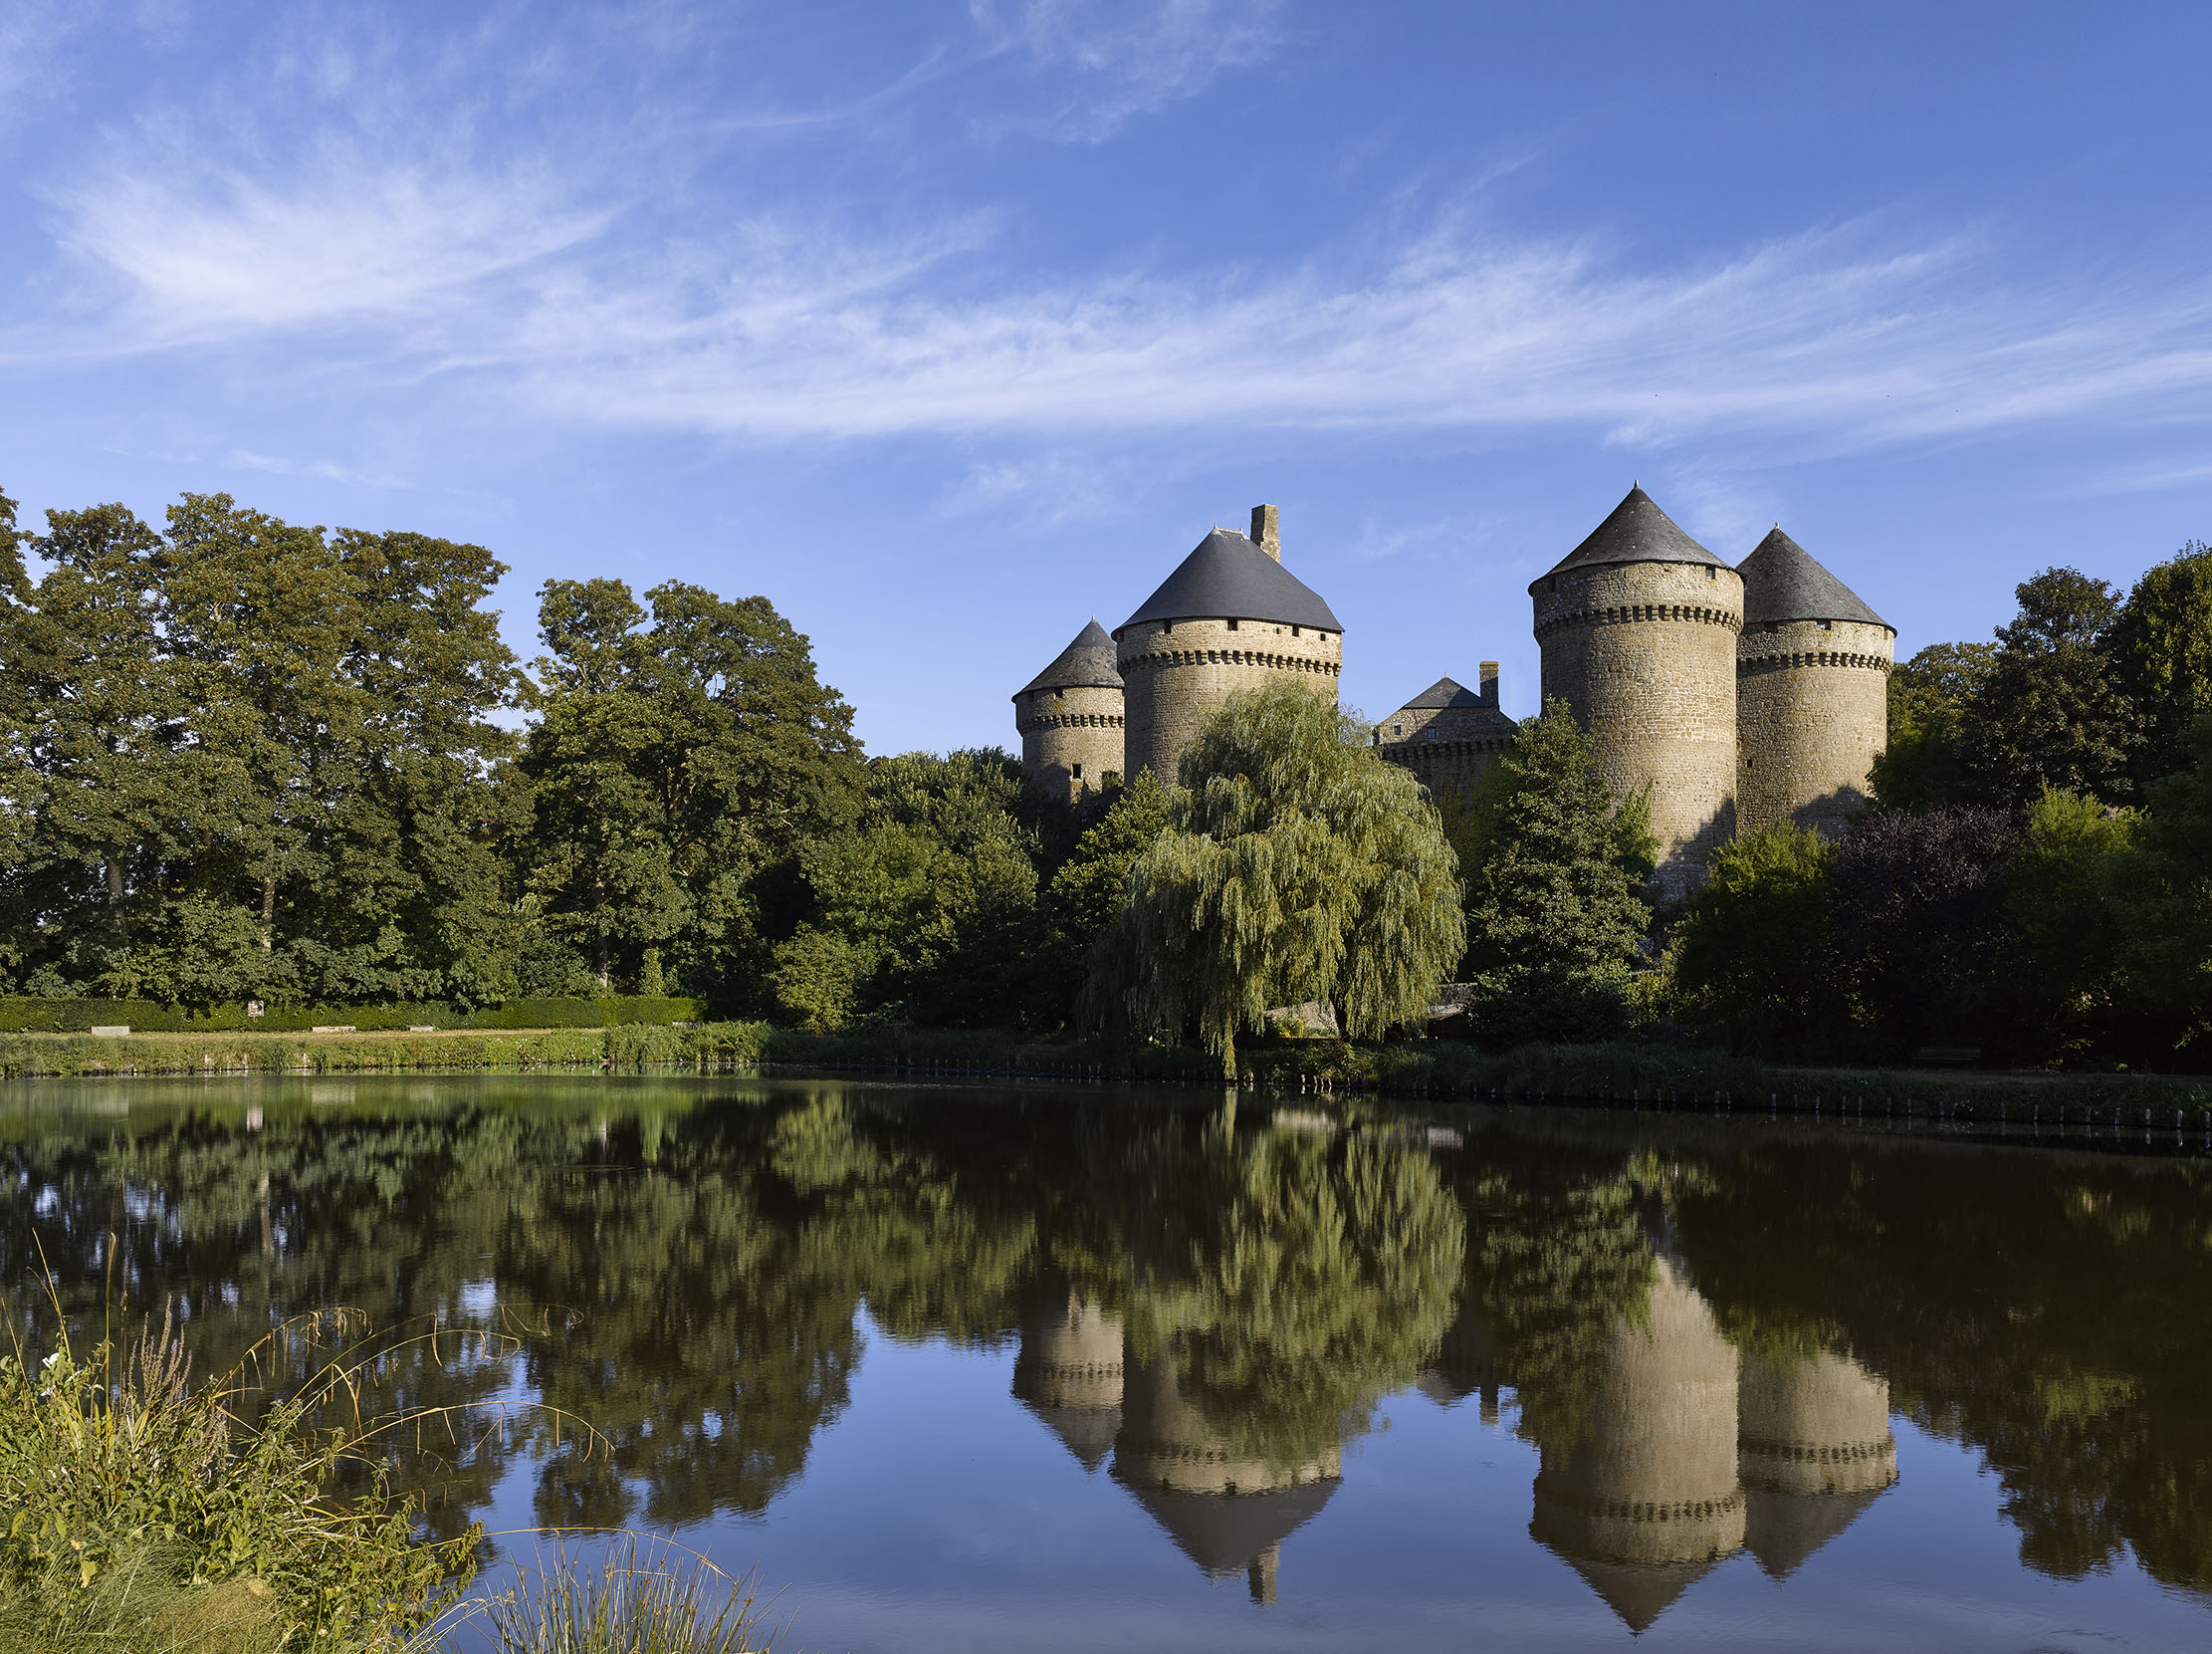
{"points": [[1811, 715], [1646, 656], [1071, 739], [1449, 769], [1175, 672]]}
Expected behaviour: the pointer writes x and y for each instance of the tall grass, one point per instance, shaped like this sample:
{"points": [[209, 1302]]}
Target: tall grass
{"points": [[638, 1601], [144, 1513]]}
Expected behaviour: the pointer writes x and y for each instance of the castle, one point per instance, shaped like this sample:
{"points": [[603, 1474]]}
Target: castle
{"points": [[1738, 697]]}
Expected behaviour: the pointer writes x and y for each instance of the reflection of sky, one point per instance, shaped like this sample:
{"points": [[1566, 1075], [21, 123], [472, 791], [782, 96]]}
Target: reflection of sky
{"points": [[936, 1513]]}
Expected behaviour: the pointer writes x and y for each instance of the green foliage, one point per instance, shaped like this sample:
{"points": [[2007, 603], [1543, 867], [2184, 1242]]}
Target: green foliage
{"points": [[927, 903], [2163, 651], [2064, 967], [684, 752], [76, 1016], [1923, 767], [633, 1603], [2051, 712], [1754, 957], [1088, 891], [1297, 866], [2162, 889], [1554, 918], [107, 1469]]}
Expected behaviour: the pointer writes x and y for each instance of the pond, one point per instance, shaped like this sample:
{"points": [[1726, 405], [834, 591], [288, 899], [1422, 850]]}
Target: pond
{"points": [[993, 1367]]}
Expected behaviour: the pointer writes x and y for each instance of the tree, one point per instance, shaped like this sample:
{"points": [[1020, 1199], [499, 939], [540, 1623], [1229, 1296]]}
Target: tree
{"points": [[683, 751], [2162, 648], [1754, 959], [2063, 956], [2052, 711], [1089, 889], [1919, 924], [1923, 767], [1554, 870], [927, 902], [2163, 891], [1297, 866]]}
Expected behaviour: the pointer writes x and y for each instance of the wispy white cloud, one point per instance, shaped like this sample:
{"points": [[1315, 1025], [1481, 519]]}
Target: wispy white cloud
{"points": [[1115, 60], [574, 291]]}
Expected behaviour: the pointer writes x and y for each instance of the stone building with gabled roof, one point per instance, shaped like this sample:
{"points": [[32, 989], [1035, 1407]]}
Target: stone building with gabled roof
{"points": [[1448, 735]]}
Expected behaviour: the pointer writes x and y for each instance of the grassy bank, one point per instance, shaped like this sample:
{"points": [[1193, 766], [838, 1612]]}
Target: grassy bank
{"points": [[624, 1046], [1621, 1072]]}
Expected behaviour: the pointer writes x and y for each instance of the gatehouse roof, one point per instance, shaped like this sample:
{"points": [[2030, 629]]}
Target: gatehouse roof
{"points": [[1229, 577], [1782, 581]]}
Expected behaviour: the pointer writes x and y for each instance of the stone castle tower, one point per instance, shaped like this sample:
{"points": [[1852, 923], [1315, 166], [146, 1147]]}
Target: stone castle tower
{"points": [[1637, 630], [1814, 1448], [1230, 617], [1812, 691], [1448, 735], [1646, 1499], [1069, 1372], [1069, 717]]}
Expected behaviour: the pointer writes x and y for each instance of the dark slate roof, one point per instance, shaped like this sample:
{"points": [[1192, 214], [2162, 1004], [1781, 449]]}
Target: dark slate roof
{"points": [[1783, 1530], [1637, 532], [1444, 692], [1226, 1533], [1230, 577], [1782, 581], [1087, 664]]}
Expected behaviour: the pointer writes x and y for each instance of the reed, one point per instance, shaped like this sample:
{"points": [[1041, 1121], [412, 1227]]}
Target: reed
{"points": [[640, 1600]]}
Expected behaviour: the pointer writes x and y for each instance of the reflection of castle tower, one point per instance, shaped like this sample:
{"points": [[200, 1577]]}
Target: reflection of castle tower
{"points": [[1228, 1515], [1812, 691], [1230, 617], [1637, 630], [1069, 717], [1069, 1374], [1448, 735], [1815, 1449], [1647, 1499]]}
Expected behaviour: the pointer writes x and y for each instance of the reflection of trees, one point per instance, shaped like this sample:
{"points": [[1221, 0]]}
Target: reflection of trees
{"points": [[2047, 1309], [1292, 1280]]}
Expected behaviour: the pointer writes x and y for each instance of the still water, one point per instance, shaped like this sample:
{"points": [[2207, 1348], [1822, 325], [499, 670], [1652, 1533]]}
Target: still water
{"points": [[991, 1368]]}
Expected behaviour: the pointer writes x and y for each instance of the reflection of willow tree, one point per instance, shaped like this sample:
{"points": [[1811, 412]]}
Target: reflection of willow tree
{"points": [[1292, 1280], [1559, 1256], [2048, 1311]]}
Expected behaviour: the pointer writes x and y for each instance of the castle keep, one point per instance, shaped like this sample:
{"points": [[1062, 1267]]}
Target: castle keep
{"points": [[1734, 697]]}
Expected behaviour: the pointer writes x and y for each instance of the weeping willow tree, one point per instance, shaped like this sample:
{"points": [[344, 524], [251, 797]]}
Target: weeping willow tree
{"points": [[1297, 866]]}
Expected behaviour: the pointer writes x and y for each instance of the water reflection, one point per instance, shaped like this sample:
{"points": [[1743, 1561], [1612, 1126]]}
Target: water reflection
{"points": [[1703, 1333]]}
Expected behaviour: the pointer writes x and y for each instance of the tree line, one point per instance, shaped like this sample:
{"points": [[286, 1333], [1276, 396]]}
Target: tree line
{"points": [[251, 760]]}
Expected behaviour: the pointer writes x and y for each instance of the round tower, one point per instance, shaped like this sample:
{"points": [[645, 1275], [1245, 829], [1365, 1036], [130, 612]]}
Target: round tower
{"points": [[1230, 617], [1069, 717], [1812, 691], [1645, 1500], [1638, 628], [1069, 1372], [1815, 1449]]}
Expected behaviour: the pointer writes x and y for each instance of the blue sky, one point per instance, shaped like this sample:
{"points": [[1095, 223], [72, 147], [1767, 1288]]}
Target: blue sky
{"points": [[949, 323]]}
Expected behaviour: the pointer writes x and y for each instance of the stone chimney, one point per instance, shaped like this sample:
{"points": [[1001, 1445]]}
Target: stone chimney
{"points": [[1489, 683], [1267, 531]]}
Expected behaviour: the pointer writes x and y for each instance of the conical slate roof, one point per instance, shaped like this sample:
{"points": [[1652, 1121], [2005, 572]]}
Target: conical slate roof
{"points": [[1086, 1432], [1782, 581], [1227, 1533], [1783, 1530], [1639, 1593], [1229, 577], [1087, 664], [1637, 532]]}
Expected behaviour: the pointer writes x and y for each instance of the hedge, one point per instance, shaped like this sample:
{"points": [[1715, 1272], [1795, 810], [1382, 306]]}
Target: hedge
{"points": [[21, 1014]]}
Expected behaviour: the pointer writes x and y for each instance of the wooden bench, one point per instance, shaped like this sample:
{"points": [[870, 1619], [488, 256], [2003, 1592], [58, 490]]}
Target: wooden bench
{"points": [[1947, 1057]]}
